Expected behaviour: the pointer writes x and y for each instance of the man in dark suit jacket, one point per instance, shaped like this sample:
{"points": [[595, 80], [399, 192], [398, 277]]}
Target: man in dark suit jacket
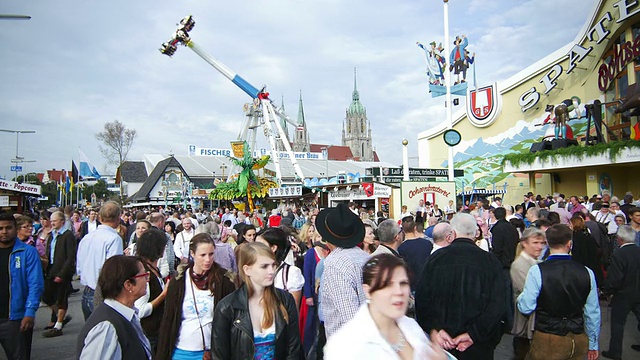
{"points": [[89, 225], [469, 329], [623, 281], [61, 252]]}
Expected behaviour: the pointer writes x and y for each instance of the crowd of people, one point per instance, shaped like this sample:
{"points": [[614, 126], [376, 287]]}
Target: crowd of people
{"points": [[340, 283]]}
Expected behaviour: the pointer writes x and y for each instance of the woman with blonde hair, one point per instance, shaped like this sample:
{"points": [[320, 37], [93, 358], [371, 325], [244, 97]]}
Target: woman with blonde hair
{"points": [[257, 321], [306, 234]]}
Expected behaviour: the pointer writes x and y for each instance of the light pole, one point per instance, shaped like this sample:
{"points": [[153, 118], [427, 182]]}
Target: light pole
{"points": [[405, 160], [447, 79], [223, 167], [18, 159], [325, 153]]}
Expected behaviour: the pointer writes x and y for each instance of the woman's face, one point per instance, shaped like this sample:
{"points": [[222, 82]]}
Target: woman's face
{"points": [[141, 227], [203, 257], [250, 235], [261, 272], [75, 217], [45, 222], [167, 228], [369, 237], [25, 230], [391, 301], [310, 231], [619, 221]]}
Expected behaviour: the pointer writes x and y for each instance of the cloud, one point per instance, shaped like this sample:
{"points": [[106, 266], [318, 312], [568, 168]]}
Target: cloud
{"points": [[75, 66]]}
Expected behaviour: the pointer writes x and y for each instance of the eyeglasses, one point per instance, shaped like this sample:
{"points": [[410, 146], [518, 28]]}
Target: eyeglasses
{"points": [[145, 275]]}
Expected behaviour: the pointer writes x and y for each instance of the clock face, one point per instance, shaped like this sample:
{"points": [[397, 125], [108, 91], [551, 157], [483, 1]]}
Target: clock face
{"points": [[452, 137]]}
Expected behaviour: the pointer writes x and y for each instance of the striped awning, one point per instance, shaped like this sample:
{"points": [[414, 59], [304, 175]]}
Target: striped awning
{"points": [[482, 192]]}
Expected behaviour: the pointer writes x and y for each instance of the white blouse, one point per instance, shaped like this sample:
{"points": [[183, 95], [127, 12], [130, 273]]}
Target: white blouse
{"points": [[190, 338], [295, 280]]}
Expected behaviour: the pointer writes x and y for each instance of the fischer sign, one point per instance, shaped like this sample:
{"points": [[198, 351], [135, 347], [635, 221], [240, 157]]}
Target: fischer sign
{"points": [[23, 188]]}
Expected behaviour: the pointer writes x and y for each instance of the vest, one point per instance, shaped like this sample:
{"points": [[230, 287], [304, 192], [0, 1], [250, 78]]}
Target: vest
{"points": [[151, 324], [565, 287], [127, 336]]}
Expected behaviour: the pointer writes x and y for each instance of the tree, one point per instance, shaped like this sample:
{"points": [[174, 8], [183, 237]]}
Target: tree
{"points": [[117, 141], [99, 188]]}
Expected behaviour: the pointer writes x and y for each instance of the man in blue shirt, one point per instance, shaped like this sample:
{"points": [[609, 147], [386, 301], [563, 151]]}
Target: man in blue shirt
{"points": [[21, 285], [564, 295]]}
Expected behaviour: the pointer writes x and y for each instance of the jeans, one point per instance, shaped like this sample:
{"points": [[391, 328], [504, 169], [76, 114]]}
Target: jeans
{"points": [[87, 302]]}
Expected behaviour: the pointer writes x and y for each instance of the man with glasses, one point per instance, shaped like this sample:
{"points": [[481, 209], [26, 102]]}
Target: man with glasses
{"points": [[61, 253], [390, 237], [21, 285]]}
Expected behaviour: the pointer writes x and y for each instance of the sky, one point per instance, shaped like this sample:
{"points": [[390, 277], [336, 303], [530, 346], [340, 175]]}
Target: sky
{"points": [[77, 65]]}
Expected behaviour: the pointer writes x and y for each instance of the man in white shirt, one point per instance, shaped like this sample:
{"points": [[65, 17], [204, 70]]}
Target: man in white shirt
{"points": [[90, 225], [183, 240], [95, 249], [604, 216]]}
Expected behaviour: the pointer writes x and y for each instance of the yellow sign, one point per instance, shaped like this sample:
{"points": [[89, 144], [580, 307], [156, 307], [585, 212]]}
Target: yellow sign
{"points": [[238, 148]]}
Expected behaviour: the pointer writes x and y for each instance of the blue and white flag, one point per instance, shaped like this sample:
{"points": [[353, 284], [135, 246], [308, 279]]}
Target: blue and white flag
{"points": [[86, 167]]}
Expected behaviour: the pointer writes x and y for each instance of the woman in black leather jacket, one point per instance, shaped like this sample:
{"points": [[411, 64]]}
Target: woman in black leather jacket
{"points": [[257, 321]]}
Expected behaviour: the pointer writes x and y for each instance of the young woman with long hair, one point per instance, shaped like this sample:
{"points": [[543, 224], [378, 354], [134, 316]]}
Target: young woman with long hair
{"points": [[288, 276], [257, 321], [185, 331]]}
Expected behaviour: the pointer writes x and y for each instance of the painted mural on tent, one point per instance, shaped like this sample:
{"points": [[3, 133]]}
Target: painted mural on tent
{"points": [[456, 65], [481, 158]]}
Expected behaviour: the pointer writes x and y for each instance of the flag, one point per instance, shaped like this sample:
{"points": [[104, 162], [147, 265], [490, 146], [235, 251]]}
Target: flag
{"points": [[86, 167], [67, 184], [74, 174], [61, 185]]}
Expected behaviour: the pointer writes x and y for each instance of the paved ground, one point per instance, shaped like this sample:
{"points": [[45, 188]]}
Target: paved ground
{"points": [[63, 347]]}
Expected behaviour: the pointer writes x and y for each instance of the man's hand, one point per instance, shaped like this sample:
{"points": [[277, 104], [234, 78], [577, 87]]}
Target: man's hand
{"points": [[309, 301], [57, 279], [443, 339], [592, 354], [463, 342], [27, 323]]}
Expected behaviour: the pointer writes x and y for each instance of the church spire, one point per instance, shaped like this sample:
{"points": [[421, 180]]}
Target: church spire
{"points": [[301, 143], [356, 95], [301, 121]]}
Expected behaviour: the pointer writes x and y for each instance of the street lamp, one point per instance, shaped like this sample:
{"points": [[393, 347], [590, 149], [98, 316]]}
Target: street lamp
{"points": [[18, 159], [223, 167]]}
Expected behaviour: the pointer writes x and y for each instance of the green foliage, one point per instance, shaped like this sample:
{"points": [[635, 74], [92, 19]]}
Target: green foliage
{"points": [[100, 189], [613, 149]]}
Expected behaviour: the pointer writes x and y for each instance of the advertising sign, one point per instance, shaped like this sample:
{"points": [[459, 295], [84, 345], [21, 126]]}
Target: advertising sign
{"points": [[438, 192], [285, 191]]}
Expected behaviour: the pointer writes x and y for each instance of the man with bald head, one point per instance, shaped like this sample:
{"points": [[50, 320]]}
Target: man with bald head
{"points": [[94, 249], [462, 296], [442, 236]]}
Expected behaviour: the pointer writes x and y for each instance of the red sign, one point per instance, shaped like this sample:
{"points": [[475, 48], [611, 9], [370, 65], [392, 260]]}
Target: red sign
{"points": [[482, 102], [368, 189]]}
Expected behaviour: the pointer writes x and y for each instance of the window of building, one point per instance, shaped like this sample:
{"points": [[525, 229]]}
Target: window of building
{"points": [[618, 124]]}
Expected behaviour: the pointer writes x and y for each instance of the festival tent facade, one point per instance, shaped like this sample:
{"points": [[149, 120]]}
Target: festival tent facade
{"points": [[508, 128]]}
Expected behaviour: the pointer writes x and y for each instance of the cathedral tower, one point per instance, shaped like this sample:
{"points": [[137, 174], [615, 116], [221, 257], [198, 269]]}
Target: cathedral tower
{"points": [[356, 130], [301, 139]]}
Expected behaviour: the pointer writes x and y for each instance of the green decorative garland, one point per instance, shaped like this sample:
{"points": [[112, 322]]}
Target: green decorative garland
{"points": [[613, 148]]}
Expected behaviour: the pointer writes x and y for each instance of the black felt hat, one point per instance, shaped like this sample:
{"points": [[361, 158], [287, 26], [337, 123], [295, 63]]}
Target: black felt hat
{"points": [[340, 226]]}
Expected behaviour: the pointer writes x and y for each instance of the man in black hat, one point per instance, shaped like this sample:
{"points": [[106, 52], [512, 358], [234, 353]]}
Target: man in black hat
{"points": [[341, 292]]}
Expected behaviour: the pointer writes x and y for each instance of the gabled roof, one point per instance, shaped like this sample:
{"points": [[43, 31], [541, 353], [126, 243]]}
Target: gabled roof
{"points": [[133, 171], [152, 179], [336, 152]]}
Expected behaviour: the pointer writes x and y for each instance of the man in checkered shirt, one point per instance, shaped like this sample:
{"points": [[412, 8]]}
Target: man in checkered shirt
{"points": [[341, 292]]}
